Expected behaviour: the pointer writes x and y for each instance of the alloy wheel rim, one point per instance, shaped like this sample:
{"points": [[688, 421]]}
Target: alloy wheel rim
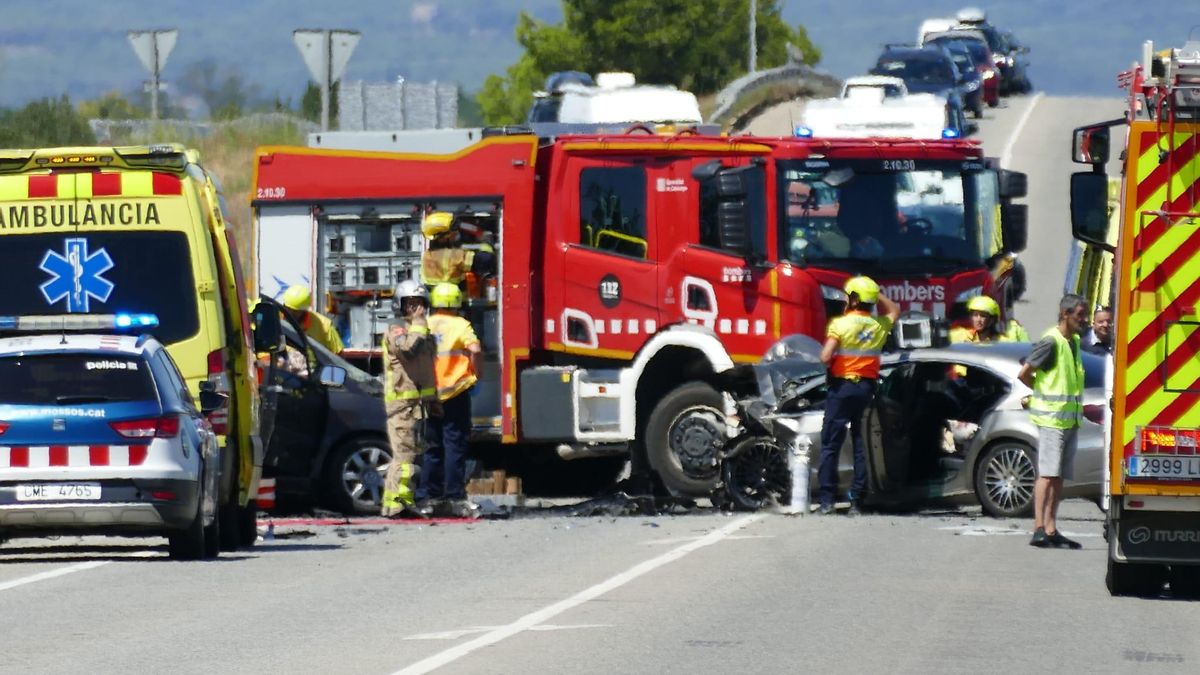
{"points": [[363, 475], [1009, 478]]}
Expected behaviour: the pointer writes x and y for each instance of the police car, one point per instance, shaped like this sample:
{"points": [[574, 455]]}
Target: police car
{"points": [[99, 435]]}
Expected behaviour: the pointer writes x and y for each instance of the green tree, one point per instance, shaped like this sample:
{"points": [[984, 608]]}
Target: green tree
{"points": [[112, 106], [699, 46], [310, 103], [45, 123]]}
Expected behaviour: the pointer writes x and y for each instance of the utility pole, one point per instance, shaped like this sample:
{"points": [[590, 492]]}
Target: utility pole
{"points": [[326, 53], [152, 48], [753, 35]]}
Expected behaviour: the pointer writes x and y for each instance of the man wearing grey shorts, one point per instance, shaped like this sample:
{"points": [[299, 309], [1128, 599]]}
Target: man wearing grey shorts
{"points": [[1054, 371]]}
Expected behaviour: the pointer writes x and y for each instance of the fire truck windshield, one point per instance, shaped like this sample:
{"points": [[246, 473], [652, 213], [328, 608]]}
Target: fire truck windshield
{"points": [[935, 216]]}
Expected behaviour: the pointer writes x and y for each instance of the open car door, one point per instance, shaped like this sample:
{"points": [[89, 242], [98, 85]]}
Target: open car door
{"points": [[301, 403], [887, 432]]}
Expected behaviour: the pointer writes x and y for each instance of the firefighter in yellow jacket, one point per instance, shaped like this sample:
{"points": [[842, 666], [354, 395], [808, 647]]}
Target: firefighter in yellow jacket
{"points": [[446, 260], [298, 299], [443, 471], [410, 395], [986, 325]]}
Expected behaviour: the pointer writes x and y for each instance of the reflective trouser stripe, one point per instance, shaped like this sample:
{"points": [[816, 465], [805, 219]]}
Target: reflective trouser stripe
{"points": [[410, 395], [403, 493]]}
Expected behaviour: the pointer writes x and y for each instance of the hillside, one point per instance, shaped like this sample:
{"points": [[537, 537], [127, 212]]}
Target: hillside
{"points": [[52, 47]]}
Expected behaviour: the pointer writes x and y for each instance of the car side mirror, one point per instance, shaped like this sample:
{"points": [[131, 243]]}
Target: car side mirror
{"points": [[1014, 224], [332, 376], [210, 401], [1013, 184], [1089, 208], [1090, 145], [268, 330]]}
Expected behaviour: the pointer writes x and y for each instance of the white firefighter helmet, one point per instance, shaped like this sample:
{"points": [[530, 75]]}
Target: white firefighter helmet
{"points": [[409, 288]]}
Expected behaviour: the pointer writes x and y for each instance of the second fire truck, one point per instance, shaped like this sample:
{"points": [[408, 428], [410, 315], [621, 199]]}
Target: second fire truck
{"points": [[633, 267]]}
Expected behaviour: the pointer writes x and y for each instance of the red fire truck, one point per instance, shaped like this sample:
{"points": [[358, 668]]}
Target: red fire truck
{"points": [[633, 267], [1153, 518]]}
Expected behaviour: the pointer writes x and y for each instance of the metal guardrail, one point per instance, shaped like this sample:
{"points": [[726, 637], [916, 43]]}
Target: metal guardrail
{"points": [[747, 84], [108, 131]]}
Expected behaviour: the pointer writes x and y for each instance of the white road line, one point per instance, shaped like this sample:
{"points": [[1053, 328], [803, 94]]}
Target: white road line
{"points": [[42, 576], [529, 621], [1006, 156], [463, 632]]}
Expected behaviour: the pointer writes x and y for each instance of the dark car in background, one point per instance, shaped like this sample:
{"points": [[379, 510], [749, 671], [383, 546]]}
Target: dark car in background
{"points": [[924, 71], [330, 445], [971, 83], [981, 57]]}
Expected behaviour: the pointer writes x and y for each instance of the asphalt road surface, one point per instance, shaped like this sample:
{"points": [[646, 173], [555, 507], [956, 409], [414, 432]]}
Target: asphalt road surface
{"points": [[933, 592], [937, 591]]}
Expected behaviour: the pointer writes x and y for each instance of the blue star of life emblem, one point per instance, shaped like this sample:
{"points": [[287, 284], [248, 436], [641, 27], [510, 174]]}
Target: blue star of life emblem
{"points": [[76, 275]]}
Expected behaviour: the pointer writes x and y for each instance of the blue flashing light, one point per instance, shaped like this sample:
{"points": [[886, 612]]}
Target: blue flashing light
{"points": [[135, 321], [949, 133], [802, 132]]}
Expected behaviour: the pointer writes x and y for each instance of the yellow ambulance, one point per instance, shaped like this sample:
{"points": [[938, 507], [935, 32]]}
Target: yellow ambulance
{"points": [[142, 229]]}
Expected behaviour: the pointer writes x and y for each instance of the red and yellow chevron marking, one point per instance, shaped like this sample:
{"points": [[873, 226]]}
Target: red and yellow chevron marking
{"points": [[1157, 377], [87, 184]]}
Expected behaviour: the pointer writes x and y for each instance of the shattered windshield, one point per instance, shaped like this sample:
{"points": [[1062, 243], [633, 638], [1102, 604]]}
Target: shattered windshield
{"points": [[933, 215]]}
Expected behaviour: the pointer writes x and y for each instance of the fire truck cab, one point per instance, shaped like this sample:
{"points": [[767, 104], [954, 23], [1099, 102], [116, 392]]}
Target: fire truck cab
{"points": [[634, 267], [1153, 515]]}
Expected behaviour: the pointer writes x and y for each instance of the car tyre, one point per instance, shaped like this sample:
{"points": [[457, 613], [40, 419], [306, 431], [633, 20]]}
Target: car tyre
{"points": [[355, 473], [192, 542], [1142, 580], [1004, 478], [756, 475], [247, 525], [684, 436]]}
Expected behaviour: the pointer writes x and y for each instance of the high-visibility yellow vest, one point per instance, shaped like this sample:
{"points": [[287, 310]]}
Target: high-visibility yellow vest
{"points": [[454, 335], [1058, 393], [860, 339], [1014, 332]]}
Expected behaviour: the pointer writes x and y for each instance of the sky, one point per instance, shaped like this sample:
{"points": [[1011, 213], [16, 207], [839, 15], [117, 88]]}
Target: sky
{"points": [[78, 47]]}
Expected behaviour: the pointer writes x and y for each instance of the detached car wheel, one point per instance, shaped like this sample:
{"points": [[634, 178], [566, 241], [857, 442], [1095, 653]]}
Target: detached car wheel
{"points": [[757, 474], [684, 437], [355, 473], [1004, 480]]}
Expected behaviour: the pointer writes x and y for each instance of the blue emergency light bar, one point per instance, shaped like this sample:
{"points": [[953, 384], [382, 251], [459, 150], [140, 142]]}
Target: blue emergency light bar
{"points": [[949, 133], [802, 131], [52, 323]]}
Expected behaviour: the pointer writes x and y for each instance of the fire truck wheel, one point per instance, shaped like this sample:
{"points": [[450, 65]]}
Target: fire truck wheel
{"points": [[1142, 580], [684, 436], [1004, 480], [1185, 581]]}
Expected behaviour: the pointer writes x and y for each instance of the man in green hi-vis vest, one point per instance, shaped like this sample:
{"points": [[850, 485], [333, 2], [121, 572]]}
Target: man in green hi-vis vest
{"points": [[1054, 370]]}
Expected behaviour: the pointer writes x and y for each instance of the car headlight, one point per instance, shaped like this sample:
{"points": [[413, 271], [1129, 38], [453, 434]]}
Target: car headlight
{"points": [[971, 292], [831, 293]]}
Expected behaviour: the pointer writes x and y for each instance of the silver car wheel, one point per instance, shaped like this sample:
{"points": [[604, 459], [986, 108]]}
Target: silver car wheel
{"points": [[363, 475], [1008, 478]]}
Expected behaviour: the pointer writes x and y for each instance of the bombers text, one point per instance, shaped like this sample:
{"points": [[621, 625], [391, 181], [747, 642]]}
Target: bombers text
{"points": [[79, 213]]}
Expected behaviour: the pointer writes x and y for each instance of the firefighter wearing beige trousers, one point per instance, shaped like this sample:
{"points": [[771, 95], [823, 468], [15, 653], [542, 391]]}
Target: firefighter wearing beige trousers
{"points": [[410, 395]]}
